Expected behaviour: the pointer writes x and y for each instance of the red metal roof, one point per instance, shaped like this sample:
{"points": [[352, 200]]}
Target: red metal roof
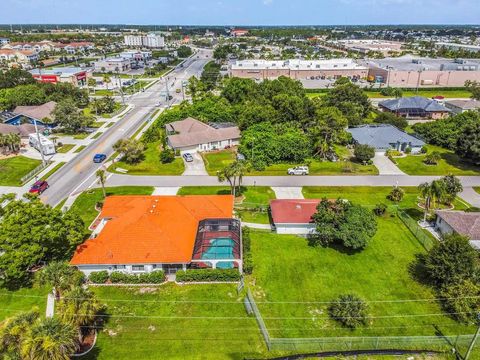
{"points": [[293, 211]]}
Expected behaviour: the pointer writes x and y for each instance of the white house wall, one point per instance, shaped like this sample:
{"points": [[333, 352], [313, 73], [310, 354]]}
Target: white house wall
{"points": [[295, 229]]}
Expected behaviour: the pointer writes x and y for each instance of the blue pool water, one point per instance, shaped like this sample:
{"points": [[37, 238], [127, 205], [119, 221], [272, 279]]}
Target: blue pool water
{"points": [[221, 248]]}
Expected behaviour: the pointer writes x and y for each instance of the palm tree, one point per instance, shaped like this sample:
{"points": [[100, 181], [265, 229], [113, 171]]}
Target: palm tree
{"points": [[101, 179], [79, 307], [92, 83], [106, 79], [233, 173], [50, 339], [13, 330], [60, 275], [431, 192]]}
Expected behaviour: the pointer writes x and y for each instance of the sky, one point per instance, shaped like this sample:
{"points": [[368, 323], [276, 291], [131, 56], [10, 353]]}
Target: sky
{"points": [[240, 12]]}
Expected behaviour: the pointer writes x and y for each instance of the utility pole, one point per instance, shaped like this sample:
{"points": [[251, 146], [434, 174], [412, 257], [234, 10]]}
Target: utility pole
{"points": [[168, 93], [472, 344], [119, 82]]}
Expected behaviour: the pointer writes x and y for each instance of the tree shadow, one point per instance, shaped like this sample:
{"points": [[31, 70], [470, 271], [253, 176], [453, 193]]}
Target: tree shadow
{"points": [[311, 241], [456, 161], [418, 272]]}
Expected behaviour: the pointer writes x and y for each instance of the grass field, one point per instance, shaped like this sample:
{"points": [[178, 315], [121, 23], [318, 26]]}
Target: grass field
{"points": [[80, 148], [22, 300], [65, 148], [215, 161], [370, 196], [177, 322], [286, 269], [97, 124], [54, 169], [251, 207], [450, 163], [425, 93], [14, 168], [97, 135], [84, 205], [151, 164]]}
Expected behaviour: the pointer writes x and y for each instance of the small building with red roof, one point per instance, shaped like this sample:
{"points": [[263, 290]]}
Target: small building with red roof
{"points": [[294, 216], [138, 234]]}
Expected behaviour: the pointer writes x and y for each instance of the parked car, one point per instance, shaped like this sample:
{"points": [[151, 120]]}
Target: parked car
{"points": [[188, 157], [98, 158], [39, 187], [298, 170]]}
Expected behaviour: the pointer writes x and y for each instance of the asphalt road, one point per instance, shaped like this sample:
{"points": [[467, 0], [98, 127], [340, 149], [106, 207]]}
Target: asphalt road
{"points": [[79, 174]]}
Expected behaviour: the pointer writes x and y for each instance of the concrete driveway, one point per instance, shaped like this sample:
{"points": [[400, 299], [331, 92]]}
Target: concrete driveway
{"points": [[195, 167], [385, 166]]}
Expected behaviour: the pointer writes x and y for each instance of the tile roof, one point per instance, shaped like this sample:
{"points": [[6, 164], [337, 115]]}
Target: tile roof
{"points": [[293, 211], [414, 102], [194, 132], [464, 223], [150, 229]]}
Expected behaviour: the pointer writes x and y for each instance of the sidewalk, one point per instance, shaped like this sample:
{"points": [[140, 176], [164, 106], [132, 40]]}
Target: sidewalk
{"points": [[288, 192], [470, 196]]}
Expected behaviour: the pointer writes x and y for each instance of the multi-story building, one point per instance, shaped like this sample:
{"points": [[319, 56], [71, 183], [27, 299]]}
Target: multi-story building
{"points": [[408, 71], [298, 69], [74, 75], [136, 55], [4, 41], [23, 57], [149, 41]]}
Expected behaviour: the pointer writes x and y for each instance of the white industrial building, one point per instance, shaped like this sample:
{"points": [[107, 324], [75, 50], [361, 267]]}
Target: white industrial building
{"points": [[149, 40]]}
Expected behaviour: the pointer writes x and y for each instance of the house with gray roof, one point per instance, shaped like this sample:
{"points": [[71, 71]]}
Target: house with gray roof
{"points": [[192, 135], [459, 222], [415, 107], [460, 106], [384, 137]]}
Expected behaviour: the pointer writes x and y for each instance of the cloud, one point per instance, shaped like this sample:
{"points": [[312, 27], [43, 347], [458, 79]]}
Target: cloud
{"points": [[267, 2]]}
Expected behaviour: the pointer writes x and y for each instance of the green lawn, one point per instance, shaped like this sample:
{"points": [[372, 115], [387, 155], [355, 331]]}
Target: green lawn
{"points": [[80, 136], [151, 164], [301, 280], [251, 206], [22, 300], [54, 169], [449, 164], [215, 161], [97, 135], [97, 124], [370, 196], [80, 148], [177, 322], [84, 205], [65, 148], [14, 168], [477, 189]]}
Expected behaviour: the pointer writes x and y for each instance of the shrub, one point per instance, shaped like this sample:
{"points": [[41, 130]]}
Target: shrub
{"points": [[167, 156], [247, 256], [98, 277], [380, 209], [473, 209], [349, 310], [156, 277], [396, 194], [393, 152], [461, 299], [364, 153], [424, 149], [247, 263], [118, 277], [433, 158], [199, 275], [408, 150]]}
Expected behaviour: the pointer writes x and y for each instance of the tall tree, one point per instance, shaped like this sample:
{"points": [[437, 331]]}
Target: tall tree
{"points": [[233, 173], [102, 179], [431, 192], [70, 117], [60, 275]]}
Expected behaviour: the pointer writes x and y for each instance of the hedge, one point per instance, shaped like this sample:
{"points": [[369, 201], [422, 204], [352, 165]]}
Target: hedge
{"points": [[247, 256], [117, 277], [201, 275]]}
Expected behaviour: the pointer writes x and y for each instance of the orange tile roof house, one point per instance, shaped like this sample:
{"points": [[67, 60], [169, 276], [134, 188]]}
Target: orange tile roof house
{"points": [[192, 135], [145, 233]]}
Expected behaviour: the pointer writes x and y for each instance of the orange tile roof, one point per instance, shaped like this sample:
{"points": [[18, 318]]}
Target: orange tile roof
{"points": [[150, 229]]}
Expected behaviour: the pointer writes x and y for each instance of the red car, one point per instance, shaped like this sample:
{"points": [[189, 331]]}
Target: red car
{"points": [[39, 187]]}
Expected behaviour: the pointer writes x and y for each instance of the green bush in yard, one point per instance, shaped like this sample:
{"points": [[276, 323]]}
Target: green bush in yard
{"points": [[201, 275], [247, 256], [349, 310], [380, 209], [98, 277], [154, 277], [167, 156], [461, 299]]}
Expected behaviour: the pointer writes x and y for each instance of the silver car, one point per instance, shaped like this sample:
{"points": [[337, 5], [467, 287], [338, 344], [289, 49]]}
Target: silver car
{"points": [[298, 170], [188, 157]]}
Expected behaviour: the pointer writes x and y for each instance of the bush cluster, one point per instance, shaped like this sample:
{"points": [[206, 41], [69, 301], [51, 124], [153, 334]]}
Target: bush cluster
{"points": [[117, 277], [247, 255], [194, 275]]}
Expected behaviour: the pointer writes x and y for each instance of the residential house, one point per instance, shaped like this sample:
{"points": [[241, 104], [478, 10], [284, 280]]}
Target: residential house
{"points": [[22, 57], [460, 106], [460, 222], [293, 216], [138, 234], [383, 137], [192, 135], [415, 107]]}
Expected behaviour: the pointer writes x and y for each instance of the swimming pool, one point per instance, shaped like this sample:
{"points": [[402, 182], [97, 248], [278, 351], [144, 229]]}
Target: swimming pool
{"points": [[220, 248]]}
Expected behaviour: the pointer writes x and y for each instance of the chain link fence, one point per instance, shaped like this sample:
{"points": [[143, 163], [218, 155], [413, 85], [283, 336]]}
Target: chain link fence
{"points": [[426, 241]]}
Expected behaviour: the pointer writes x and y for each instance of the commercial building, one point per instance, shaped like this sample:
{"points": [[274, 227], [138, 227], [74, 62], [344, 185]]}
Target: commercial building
{"points": [[459, 222], [460, 106], [4, 41], [298, 69], [415, 107], [411, 72], [369, 45], [239, 32], [455, 46], [192, 135], [293, 216], [138, 234], [383, 137], [136, 56], [113, 64], [74, 75], [149, 41]]}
